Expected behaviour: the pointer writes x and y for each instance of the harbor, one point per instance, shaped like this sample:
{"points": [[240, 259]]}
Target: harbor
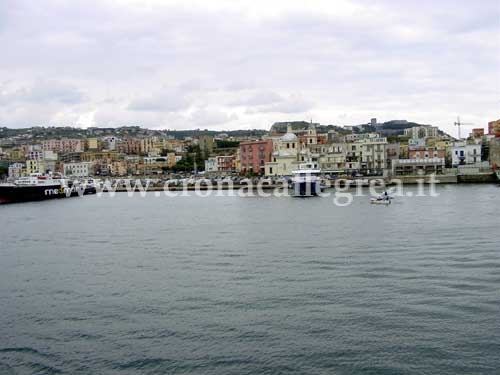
{"points": [[130, 284], [249, 187]]}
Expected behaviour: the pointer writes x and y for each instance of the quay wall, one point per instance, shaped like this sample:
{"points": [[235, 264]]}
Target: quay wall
{"points": [[410, 180], [477, 178]]}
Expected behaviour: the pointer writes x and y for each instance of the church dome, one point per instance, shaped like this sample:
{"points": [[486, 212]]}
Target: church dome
{"points": [[289, 137]]}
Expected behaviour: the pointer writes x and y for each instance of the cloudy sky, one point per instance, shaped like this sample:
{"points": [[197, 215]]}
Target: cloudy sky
{"points": [[246, 64]]}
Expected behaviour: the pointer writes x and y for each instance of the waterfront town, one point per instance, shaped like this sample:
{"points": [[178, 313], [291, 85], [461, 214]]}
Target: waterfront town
{"points": [[389, 149]]}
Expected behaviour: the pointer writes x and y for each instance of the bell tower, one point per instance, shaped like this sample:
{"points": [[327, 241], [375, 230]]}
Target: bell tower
{"points": [[312, 137]]}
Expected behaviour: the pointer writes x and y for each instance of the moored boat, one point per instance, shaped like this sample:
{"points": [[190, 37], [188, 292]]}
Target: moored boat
{"points": [[306, 180], [84, 187], [38, 187]]}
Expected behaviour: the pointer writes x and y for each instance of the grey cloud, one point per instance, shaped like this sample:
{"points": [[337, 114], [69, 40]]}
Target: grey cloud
{"points": [[161, 101], [43, 92], [292, 104], [211, 117], [220, 57], [257, 98]]}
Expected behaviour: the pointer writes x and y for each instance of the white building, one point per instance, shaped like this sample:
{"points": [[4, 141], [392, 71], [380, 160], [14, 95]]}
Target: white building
{"points": [[81, 169], [331, 157], [211, 164], [284, 158], [417, 166], [110, 143], [465, 154], [16, 170], [424, 131], [372, 152]]}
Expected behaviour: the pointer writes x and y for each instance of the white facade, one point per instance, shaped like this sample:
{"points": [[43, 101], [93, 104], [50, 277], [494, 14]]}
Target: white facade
{"points": [[418, 132], [332, 157], [82, 169], [373, 153], [49, 155], [110, 143], [285, 155], [465, 154], [16, 170], [211, 165], [417, 166]]}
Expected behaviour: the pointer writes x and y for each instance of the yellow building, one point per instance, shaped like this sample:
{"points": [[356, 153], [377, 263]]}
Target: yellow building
{"points": [[237, 161], [35, 166], [91, 144], [102, 155], [147, 145], [171, 159], [17, 154], [403, 151]]}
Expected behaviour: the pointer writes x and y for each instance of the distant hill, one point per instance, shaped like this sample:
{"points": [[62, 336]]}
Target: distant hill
{"points": [[34, 134], [281, 127], [38, 133]]}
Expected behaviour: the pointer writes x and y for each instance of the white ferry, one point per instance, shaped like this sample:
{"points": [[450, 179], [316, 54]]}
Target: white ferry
{"points": [[35, 187]]}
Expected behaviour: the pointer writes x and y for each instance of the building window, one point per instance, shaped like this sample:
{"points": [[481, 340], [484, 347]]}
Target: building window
{"points": [[270, 170]]}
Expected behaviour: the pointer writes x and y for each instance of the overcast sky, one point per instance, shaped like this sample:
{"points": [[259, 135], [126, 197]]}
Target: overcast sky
{"points": [[246, 64]]}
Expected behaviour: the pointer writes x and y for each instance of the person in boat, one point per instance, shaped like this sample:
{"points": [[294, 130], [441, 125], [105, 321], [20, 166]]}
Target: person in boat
{"points": [[385, 196]]}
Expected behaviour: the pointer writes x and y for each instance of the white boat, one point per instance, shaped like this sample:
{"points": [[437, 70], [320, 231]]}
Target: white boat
{"points": [[380, 201], [387, 195], [306, 180]]}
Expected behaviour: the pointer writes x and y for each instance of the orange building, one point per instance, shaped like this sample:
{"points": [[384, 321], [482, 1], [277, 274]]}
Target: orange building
{"points": [[494, 127], [477, 133]]}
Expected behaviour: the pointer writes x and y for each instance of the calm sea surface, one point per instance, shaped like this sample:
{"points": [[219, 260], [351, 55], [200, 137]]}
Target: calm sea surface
{"points": [[232, 285]]}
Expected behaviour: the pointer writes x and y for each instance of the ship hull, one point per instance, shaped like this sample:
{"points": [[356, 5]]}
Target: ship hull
{"points": [[306, 189], [17, 194]]}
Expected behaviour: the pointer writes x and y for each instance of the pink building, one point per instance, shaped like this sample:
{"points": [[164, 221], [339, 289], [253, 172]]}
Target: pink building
{"points": [[254, 155], [63, 145]]}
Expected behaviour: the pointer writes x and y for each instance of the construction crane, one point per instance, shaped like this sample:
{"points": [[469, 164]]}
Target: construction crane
{"points": [[458, 123]]}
